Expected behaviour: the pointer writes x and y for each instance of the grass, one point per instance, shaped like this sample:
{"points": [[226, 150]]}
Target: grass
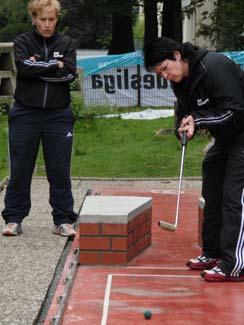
{"points": [[123, 148], [131, 148]]}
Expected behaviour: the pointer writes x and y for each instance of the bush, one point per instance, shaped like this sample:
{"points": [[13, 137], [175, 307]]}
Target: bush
{"points": [[77, 104], [9, 33], [5, 103], [76, 84]]}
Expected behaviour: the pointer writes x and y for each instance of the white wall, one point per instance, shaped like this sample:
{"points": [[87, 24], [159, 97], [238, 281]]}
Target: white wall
{"points": [[191, 24]]}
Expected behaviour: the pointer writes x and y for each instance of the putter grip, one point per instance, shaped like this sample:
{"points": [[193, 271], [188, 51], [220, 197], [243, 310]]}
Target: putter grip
{"points": [[184, 139]]}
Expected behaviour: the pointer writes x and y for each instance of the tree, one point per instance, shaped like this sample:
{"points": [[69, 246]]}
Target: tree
{"points": [[172, 20], [151, 20], [122, 27], [86, 22], [225, 29], [14, 19]]}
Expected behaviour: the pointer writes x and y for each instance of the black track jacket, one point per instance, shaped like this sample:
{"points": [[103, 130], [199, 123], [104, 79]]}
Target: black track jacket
{"points": [[213, 94], [42, 84]]}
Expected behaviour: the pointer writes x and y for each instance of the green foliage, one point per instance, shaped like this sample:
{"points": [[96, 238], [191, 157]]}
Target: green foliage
{"points": [[76, 84], [226, 27], [18, 11], [5, 103], [138, 29], [130, 148], [14, 19], [77, 104], [86, 22], [9, 33], [122, 148], [104, 40]]}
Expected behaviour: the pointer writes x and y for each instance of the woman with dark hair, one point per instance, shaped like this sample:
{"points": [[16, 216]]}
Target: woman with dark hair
{"points": [[209, 88]]}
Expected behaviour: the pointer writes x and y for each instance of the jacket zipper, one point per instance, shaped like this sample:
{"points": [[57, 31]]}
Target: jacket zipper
{"points": [[46, 84]]}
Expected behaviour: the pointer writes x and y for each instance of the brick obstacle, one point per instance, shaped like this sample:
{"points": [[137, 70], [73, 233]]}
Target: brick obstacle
{"points": [[114, 229]]}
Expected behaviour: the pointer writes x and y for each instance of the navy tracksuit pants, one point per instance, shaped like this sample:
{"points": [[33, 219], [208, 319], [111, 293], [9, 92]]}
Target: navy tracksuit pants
{"points": [[27, 128], [223, 191]]}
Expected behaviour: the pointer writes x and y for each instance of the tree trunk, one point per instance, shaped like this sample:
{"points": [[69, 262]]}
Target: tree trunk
{"points": [[172, 20], [122, 32], [151, 20]]}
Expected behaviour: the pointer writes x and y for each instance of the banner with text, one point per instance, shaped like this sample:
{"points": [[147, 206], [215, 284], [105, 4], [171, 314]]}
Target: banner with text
{"points": [[121, 80]]}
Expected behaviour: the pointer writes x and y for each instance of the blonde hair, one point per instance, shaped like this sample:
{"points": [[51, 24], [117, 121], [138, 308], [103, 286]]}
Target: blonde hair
{"points": [[36, 6]]}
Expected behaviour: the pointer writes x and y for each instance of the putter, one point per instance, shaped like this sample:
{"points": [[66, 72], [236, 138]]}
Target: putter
{"points": [[164, 224]]}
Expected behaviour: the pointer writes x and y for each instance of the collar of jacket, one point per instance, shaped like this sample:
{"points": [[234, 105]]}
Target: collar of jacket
{"points": [[41, 38], [196, 74]]}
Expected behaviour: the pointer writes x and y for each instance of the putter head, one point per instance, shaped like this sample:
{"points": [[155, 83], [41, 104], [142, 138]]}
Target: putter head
{"points": [[167, 226]]}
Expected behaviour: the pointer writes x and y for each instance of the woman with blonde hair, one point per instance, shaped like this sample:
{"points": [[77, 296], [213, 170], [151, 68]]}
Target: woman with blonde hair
{"points": [[46, 64]]}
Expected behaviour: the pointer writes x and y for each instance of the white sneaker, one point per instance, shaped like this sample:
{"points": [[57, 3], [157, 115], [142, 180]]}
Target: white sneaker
{"points": [[65, 229], [12, 229], [202, 262]]}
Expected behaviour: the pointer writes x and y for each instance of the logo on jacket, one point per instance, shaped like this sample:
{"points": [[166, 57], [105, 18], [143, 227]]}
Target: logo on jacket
{"points": [[201, 102], [69, 134], [57, 55]]}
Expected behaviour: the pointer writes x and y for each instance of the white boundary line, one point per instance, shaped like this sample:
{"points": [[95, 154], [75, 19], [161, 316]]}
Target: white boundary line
{"points": [[157, 268], [156, 275], [109, 286], [106, 299]]}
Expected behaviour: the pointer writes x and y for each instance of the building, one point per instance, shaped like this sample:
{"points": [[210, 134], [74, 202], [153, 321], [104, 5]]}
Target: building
{"points": [[191, 24]]}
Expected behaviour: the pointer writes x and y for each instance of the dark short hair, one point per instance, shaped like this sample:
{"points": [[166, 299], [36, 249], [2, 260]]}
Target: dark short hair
{"points": [[158, 50]]}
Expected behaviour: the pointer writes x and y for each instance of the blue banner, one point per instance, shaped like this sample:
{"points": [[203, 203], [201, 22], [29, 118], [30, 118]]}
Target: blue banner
{"points": [[101, 63], [238, 56]]}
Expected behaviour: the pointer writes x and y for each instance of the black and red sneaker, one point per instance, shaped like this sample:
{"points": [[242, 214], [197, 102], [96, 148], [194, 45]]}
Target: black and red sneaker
{"points": [[202, 262], [217, 275]]}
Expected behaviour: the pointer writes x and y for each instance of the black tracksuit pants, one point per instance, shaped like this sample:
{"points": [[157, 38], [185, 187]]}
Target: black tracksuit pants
{"points": [[223, 191], [54, 128]]}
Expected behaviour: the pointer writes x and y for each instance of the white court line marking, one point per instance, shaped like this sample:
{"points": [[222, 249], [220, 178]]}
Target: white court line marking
{"points": [[156, 268], [109, 286], [158, 275], [106, 299]]}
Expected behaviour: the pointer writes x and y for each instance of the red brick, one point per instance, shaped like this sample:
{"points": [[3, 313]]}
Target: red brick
{"points": [[137, 221], [148, 213], [132, 224], [119, 243], [111, 258], [88, 258], [138, 246], [149, 226], [148, 239], [139, 232], [111, 244], [130, 239], [141, 243], [114, 229], [91, 229], [131, 252], [94, 243]]}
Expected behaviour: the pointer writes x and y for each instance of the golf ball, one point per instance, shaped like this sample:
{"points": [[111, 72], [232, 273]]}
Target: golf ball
{"points": [[147, 314]]}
